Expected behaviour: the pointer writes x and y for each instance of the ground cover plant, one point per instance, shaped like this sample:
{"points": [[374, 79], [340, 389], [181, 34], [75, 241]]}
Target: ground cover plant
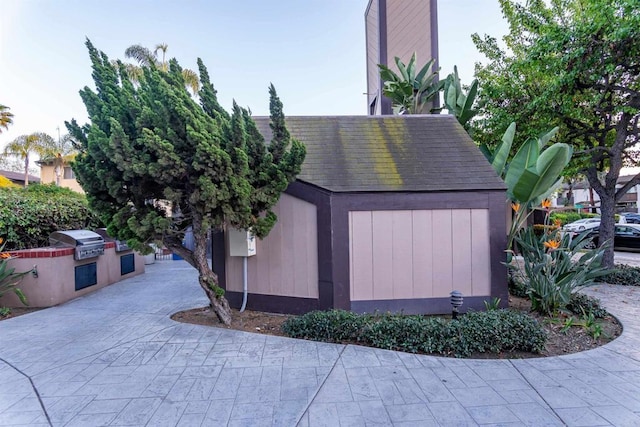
{"points": [[623, 275], [476, 332]]}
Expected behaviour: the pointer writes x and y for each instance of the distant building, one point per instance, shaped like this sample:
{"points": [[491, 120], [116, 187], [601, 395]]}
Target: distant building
{"points": [[582, 194], [397, 28], [60, 175], [18, 177]]}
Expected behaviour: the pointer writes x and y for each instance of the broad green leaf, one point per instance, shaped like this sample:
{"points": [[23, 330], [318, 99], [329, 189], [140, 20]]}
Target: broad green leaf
{"points": [[424, 70], [544, 139], [487, 153], [501, 153], [526, 157], [551, 163]]}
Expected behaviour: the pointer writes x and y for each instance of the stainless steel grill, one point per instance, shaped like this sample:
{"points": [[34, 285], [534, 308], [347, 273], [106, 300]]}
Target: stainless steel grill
{"points": [[87, 244], [120, 245]]}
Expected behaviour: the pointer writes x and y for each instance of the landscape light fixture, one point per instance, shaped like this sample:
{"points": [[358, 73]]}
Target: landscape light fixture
{"points": [[456, 302]]}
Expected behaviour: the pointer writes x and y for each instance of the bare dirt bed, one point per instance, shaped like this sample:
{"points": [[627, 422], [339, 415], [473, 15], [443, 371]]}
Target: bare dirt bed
{"points": [[575, 339]]}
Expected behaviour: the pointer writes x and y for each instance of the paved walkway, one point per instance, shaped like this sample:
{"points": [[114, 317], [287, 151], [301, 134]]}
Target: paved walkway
{"points": [[115, 358]]}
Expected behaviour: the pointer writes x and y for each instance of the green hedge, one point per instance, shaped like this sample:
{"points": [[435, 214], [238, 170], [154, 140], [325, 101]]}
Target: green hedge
{"points": [[475, 332], [623, 275], [566, 217], [29, 215]]}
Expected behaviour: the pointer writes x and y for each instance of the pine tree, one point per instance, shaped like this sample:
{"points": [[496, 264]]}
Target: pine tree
{"points": [[154, 163]]}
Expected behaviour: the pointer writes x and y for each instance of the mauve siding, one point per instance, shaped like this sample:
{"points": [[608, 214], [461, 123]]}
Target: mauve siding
{"points": [[372, 29], [404, 254], [286, 261], [409, 30]]}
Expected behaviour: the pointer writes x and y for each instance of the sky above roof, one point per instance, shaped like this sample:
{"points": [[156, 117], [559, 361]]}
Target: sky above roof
{"points": [[313, 51]]}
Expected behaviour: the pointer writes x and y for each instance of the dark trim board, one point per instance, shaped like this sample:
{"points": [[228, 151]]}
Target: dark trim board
{"points": [[273, 303], [342, 203], [333, 249], [418, 306], [433, 12]]}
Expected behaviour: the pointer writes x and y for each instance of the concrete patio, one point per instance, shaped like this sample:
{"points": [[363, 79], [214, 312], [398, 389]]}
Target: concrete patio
{"points": [[115, 358]]}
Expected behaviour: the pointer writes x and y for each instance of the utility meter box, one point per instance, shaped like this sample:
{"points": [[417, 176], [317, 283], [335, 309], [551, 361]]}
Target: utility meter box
{"points": [[241, 242]]}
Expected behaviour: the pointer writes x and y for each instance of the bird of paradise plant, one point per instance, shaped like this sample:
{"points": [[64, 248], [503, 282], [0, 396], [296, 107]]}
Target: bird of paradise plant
{"points": [[9, 279]]}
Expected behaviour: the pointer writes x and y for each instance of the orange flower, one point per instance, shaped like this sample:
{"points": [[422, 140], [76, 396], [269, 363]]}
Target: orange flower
{"points": [[1, 240], [515, 206], [5, 255], [552, 244], [557, 223], [546, 204]]}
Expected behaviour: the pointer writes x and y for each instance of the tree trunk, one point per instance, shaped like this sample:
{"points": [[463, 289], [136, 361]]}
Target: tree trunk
{"points": [[207, 278], [607, 228], [26, 170]]}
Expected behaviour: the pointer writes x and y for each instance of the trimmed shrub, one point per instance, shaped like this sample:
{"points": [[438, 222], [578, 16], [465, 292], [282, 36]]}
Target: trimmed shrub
{"points": [[582, 304], [497, 331], [569, 216], [492, 331], [623, 275], [415, 334], [328, 326], [28, 216]]}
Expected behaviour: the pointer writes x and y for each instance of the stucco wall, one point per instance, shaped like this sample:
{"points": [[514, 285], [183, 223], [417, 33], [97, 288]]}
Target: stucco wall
{"points": [[47, 176], [406, 254], [55, 283], [286, 262]]}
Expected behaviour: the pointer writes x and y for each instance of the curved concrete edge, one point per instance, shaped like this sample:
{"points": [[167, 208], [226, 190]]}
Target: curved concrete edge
{"points": [[115, 357]]}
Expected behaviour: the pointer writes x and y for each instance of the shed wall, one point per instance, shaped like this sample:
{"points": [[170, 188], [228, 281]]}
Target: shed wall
{"points": [[286, 261], [404, 254]]}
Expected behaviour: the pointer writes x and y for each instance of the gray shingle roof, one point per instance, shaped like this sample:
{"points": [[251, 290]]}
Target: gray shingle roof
{"points": [[389, 153], [18, 176]]}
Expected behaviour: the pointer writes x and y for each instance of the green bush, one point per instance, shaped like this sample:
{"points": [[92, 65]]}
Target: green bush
{"points": [[28, 216], [328, 326], [497, 331], [583, 305], [623, 275], [492, 331], [407, 333], [568, 216], [517, 286]]}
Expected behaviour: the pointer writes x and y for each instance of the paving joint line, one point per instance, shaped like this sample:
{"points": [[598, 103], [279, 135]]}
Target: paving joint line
{"points": [[344, 347], [33, 386], [536, 391], [96, 353]]}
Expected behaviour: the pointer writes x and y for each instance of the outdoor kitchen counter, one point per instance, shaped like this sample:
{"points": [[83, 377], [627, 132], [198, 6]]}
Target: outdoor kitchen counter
{"points": [[61, 278]]}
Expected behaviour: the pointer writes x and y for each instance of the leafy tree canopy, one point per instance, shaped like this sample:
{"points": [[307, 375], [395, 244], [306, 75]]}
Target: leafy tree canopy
{"points": [[573, 64], [154, 163]]}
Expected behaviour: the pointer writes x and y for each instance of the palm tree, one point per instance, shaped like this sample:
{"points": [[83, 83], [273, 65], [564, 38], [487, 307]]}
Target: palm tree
{"points": [[25, 145], [145, 58], [6, 118], [61, 153]]}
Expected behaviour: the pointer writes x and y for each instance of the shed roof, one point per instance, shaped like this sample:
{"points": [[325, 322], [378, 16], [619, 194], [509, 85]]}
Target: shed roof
{"points": [[389, 153]]}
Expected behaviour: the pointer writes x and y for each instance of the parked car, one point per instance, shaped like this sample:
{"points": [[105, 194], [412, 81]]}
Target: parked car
{"points": [[582, 224], [631, 217], [626, 237]]}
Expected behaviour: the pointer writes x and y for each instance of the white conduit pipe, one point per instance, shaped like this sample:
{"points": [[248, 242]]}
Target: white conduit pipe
{"points": [[244, 283]]}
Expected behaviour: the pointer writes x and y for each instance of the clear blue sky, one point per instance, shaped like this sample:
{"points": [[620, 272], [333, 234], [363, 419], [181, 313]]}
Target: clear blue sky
{"points": [[312, 50]]}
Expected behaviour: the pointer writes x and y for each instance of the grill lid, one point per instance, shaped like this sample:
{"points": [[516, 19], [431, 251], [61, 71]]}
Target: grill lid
{"points": [[75, 238]]}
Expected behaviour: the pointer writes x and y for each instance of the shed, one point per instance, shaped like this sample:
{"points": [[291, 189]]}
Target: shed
{"points": [[389, 213]]}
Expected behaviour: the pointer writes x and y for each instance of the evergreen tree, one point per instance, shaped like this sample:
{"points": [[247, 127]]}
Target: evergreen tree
{"points": [[154, 163]]}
